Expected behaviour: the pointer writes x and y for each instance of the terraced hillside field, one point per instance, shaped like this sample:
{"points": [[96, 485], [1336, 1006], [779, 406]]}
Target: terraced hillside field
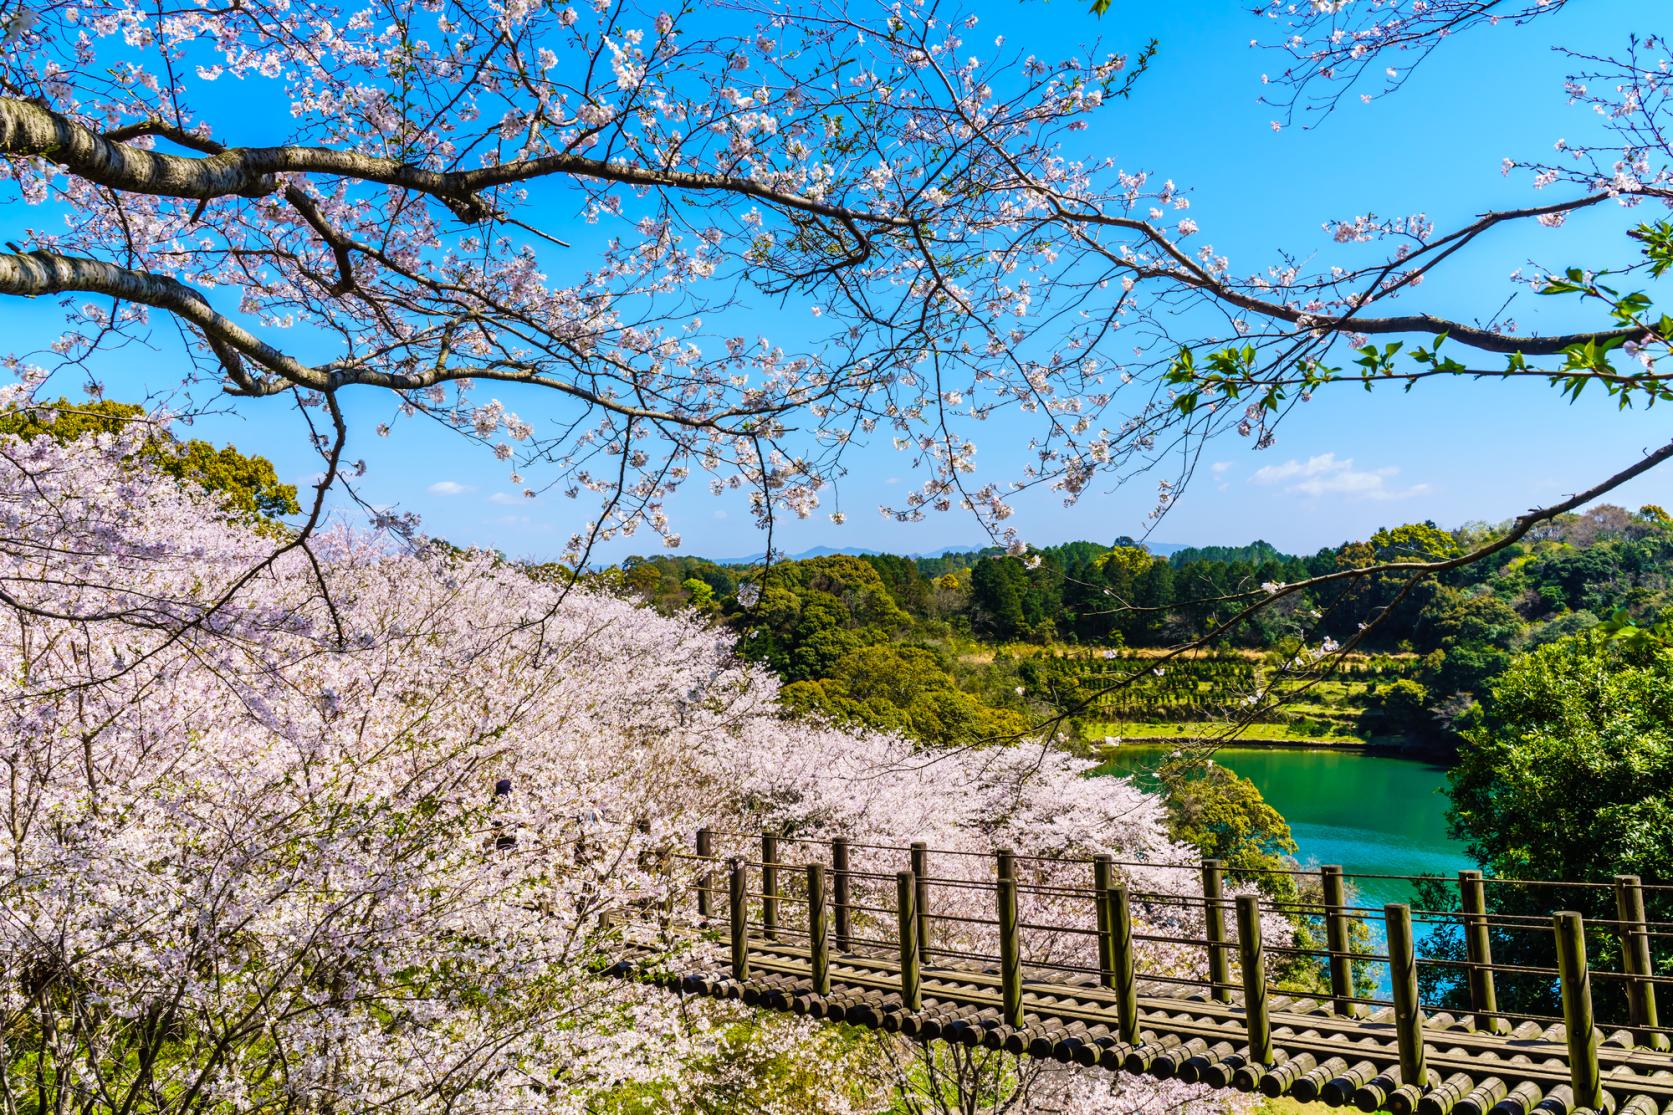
{"points": [[1130, 695]]}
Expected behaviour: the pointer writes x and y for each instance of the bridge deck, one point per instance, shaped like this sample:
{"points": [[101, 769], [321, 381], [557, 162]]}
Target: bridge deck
{"points": [[1031, 960], [1320, 1055]]}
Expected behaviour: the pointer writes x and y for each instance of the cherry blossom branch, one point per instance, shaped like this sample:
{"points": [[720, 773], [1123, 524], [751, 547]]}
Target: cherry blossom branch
{"points": [[1188, 273], [1334, 45], [38, 273]]}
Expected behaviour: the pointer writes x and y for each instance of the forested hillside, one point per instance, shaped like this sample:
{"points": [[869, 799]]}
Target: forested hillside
{"points": [[971, 646]]}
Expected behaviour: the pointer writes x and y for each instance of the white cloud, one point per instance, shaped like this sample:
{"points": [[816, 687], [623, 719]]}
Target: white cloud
{"points": [[1327, 474], [503, 499], [450, 488], [1219, 467]]}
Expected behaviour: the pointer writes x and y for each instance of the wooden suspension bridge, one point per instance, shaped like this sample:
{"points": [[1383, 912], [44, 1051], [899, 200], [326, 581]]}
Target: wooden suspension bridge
{"points": [[1046, 957]]}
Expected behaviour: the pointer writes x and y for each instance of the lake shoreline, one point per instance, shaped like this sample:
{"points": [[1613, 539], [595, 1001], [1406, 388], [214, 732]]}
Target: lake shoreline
{"points": [[1275, 744], [1379, 813], [1438, 757]]}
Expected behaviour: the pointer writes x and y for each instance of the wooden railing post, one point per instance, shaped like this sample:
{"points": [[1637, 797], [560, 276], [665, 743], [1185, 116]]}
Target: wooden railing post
{"points": [[1576, 981], [1118, 913], [818, 930], [1254, 978], [769, 886], [1636, 961], [739, 913], [906, 895], [1103, 877], [1478, 949], [840, 894], [1010, 941], [705, 881], [1214, 929], [1402, 975], [1338, 940], [920, 872], [1005, 863]]}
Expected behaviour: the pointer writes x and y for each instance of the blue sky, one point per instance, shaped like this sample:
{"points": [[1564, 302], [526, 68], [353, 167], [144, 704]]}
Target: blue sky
{"points": [[1342, 465]]}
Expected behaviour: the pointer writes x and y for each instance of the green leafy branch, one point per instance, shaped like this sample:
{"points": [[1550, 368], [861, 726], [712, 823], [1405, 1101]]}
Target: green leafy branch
{"points": [[1609, 358]]}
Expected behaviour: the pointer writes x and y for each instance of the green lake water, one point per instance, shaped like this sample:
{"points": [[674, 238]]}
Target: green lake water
{"points": [[1373, 814]]}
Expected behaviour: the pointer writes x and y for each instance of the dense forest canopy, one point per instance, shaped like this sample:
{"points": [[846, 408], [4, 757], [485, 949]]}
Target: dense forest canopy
{"points": [[248, 483], [1565, 775], [832, 626]]}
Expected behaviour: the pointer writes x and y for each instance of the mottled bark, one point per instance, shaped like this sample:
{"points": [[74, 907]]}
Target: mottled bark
{"points": [[27, 129], [37, 273]]}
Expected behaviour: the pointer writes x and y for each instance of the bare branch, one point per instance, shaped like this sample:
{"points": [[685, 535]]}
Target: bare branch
{"points": [[29, 129]]}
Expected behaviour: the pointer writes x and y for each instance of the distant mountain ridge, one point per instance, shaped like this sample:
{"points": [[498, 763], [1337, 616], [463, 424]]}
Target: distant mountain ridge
{"points": [[1160, 549]]}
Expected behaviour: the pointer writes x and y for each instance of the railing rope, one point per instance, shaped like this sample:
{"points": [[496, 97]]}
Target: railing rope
{"points": [[818, 930], [1254, 978], [906, 894], [1636, 961], [739, 912], [1408, 1010], [1338, 940], [1580, 1027], [1214, 929], [1478, 947], [1010, 940]]}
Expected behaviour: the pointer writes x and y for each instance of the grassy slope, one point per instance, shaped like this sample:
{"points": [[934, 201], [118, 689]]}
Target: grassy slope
{"points": [[1161, 731], [1324, 713]]}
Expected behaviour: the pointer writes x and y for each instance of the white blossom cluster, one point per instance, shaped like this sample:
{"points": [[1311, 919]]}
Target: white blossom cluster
{"points": [[339, 827]]}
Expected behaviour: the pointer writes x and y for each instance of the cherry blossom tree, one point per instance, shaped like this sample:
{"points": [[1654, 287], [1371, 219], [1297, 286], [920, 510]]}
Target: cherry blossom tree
{"points": [[360, 835]]}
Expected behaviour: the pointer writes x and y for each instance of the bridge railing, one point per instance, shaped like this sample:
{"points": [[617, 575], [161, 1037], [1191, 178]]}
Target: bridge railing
{"points": [[1130, 932]]}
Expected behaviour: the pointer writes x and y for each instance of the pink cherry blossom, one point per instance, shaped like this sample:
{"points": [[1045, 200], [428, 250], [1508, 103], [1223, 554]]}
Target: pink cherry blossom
{"points": [[365, 814]]}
